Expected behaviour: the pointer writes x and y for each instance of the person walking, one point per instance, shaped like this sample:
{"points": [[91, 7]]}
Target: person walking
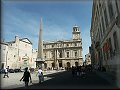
{"points": [[6, 73], [73, 71], [40, 75], [26, 77]]}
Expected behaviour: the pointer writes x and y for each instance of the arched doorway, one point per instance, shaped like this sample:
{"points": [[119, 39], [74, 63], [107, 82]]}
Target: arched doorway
{"points": [[53, 65], [68, 64], [60, 64], [76, 63], [45, 65]]}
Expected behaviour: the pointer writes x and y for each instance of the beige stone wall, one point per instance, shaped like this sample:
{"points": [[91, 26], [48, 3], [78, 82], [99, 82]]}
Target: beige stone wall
{"points": [[17, 50], [3, 53]]}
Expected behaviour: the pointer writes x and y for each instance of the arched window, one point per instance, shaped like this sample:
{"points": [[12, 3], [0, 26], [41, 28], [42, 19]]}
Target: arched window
{"points": [[45, 64], [75, 53], [115, 41], [110, 8], [53, 64], [60, 54], [67, 44], [67, 54], [52, 53], [75, 44]]}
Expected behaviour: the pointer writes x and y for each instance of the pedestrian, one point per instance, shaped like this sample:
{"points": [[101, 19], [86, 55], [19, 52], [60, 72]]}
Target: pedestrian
{"points": [[31, 70], [6, 73], [26, 77], [78, 71], [40, 75], [73, 71], [83, 74]]}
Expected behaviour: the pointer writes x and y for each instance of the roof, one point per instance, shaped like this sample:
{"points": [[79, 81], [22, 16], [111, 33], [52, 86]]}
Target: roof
{"points": [[23, 40], [3, 43]]}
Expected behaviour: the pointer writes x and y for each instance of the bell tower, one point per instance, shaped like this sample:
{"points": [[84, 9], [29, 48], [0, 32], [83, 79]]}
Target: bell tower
{"points": [[76, 33]]}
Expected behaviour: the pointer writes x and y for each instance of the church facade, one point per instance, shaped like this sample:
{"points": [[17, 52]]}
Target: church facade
{"points": [[63, 53], [17, 54]]}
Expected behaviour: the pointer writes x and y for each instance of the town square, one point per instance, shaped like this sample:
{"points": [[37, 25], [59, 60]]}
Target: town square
{"points": [[60, 44]]}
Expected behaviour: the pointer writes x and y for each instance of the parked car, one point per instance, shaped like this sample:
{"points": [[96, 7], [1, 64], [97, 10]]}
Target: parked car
{"points": [[11, 70], [17, 70], [2, 71]]}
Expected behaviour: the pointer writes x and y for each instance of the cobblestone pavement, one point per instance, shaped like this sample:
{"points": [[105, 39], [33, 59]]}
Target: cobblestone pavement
{"points": [[14, 79]]}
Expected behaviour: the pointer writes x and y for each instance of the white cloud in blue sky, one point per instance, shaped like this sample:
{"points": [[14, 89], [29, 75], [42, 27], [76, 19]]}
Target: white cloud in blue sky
{"points": [[22, 18]]}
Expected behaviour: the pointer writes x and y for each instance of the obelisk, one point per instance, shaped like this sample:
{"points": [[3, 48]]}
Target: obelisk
{"points": [[40, 60]]}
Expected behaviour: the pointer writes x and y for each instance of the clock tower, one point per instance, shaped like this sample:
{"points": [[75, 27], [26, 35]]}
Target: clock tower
{"points": [[76, 33]]}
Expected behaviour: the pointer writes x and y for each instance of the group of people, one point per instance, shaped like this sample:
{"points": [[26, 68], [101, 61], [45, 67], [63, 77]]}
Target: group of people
{"points": [[27, 76], [81, 70]]}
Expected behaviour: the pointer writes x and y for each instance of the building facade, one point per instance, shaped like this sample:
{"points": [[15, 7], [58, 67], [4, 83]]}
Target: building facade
{"points": [[63, 53], [17, 54], [57, 54], [4, 54], [88, 59], [105, 34]]}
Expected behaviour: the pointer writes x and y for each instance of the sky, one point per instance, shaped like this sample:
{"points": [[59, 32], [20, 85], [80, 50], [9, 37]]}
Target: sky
{"points": [[22, 18]]}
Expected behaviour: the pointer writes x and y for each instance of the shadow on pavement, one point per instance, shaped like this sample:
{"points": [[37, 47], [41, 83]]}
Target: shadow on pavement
{"points": [[64, 80]]}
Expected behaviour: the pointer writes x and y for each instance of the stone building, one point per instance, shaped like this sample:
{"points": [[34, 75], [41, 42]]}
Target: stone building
{"points": [[63, 53], [4, 54], [105, 34], [17, 53], [87, 59]]}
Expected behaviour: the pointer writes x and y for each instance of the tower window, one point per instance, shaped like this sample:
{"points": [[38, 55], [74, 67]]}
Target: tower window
{"points": [[52, 45], [74, 29], [67, 44], [75, 44]]}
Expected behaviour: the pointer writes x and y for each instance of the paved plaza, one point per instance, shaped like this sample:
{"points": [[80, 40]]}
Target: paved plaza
{"points": [[14, 79], [65, 80]]}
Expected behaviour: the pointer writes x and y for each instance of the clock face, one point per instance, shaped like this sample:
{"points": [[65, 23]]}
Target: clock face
{"points": [[76, 36]]}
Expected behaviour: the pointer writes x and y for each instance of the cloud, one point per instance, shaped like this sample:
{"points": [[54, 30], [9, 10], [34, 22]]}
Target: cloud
{"points": [[57, 24], [29, 27], [54, 32], [15, 24]]}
